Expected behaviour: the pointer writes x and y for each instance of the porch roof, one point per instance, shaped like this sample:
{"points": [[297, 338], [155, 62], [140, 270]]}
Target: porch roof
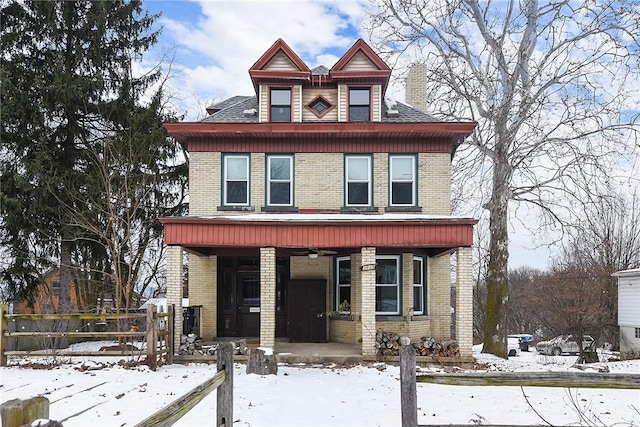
{"points": [[320, 231]]}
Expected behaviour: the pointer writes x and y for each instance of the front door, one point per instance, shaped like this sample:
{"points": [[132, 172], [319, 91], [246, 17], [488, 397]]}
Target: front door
{"points": [[248, 297], [306, 306], [239, 300]]}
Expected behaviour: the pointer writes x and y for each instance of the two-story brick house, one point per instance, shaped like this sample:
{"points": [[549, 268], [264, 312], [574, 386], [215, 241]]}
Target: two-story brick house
{"points": [[318, 196]]}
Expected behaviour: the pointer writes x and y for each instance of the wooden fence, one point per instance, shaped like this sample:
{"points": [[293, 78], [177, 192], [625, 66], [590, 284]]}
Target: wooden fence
{"points": [[222, 381], [408, 379], [157, 332]]}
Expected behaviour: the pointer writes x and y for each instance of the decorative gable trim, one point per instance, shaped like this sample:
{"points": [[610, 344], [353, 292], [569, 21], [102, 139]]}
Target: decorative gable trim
{"points": [[262, 68], [379, 69]]}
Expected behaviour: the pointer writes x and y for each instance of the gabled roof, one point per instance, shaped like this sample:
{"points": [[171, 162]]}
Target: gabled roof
{"points": [[258, 71], [379, 72]]}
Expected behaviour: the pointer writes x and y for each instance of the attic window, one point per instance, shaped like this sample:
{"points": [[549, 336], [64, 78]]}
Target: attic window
{"points": [[320, 106]]}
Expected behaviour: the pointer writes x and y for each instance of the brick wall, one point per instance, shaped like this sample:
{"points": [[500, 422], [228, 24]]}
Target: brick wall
{"points": [[464, 301], [439, 296], [174, 287], [267, 297], [203, 274], [416, 89], [205, 175], [368, 301]]}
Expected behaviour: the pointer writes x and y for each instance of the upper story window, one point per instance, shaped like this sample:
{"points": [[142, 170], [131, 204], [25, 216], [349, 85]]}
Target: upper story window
{"points": [[236, 179], [387, 284], [280, 103], [402, 177], [358, 180], [279, 180], [320, 106], [359, 105]]}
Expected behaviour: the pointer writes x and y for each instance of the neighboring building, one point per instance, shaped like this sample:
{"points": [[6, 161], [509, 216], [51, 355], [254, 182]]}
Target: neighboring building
{"points": [[629, 310], [319, 211], [46, 297]]}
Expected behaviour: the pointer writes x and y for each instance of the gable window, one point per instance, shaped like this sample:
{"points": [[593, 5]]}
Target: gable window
{"points": [[236, 179], [280, 180], [418, 286], [280, 100], [358, 180], [320, 106], [359, 105], [387, 284], [402, 177], [343, 284]]}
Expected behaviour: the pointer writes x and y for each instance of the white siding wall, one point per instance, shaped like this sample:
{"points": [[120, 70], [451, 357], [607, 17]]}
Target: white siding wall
{"points": [[280, 62], [629, 301], [359, 62]]}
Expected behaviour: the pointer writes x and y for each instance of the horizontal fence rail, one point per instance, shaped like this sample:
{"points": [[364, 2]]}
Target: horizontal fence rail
{"points": [[222, 381], [409, 378], [159, 339]]}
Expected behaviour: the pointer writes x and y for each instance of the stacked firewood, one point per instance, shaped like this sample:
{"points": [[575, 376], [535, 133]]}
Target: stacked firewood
{"points": [[389, 343], [192, 344]]}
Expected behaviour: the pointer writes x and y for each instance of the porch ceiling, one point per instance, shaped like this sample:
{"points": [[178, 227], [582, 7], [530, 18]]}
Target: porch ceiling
{"points": [[339, 232]]}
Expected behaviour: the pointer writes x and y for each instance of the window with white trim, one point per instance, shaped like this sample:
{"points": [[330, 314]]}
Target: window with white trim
{"points": [[279, 180], [280, 100], [343, 284], [359, 105], [418, 286], [358, 180], [388, 284], [236, 180], [402, 180]]}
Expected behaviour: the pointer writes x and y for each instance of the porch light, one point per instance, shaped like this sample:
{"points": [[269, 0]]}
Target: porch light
{"points": [[313, 255]]}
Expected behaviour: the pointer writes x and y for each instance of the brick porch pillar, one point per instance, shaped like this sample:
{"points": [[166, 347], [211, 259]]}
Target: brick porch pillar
{"points": [[368, 301], [464, 301], [267, 297], [174, 290]]}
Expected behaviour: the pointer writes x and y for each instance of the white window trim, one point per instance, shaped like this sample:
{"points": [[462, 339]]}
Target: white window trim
{"points": [[368, 180], [225, 180], [341, 285], [412, 180], [396, 285], [420, 285], [290, 180]]}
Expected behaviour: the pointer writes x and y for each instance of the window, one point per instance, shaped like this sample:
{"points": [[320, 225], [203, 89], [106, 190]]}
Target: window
{"points": [[387, 284], [637, 332], [236, 179], [280, 180], [343, 284], [359, 103], [358, 180], [320, 106], [280, 105], [402, 176], [55, 288], [418, 285]]}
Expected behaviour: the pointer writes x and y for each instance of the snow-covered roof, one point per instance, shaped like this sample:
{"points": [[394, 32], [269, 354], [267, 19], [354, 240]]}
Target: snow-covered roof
{"points": [[627, 273]]}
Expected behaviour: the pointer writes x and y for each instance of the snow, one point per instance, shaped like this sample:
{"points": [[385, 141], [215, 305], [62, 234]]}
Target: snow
{"points": [[100, 392]]}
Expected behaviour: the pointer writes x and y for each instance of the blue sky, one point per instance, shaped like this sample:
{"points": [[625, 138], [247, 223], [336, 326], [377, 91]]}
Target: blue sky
{"points": [[213, 43]]}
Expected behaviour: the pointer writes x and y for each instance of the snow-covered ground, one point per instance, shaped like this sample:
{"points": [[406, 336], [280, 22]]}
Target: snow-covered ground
{"points": [[363, 395]]}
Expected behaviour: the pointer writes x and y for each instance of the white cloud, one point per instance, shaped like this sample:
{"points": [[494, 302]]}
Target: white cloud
{"points": [[215, 51]]}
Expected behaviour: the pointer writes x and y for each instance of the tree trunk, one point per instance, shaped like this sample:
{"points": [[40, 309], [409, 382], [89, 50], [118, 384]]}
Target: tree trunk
{"points": [[497, 289]]}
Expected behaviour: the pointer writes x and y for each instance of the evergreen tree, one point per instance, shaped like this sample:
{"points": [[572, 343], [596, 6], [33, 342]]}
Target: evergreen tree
{"points": [[67, 93]]}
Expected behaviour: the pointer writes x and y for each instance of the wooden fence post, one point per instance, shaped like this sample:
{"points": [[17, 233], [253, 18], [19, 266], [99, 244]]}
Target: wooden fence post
{"points": [[16, 412], [152, 337], [408, 396], [169, 339], [4, 327], [224, 410]]}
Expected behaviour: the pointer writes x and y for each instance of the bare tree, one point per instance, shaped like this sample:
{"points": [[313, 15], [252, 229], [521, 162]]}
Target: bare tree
{"points": [[551, 86]]}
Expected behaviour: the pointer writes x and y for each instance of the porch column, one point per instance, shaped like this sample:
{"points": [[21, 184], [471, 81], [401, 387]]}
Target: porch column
{"points": [[174, 290], [267, 297], [464, 301], [368, 299]]}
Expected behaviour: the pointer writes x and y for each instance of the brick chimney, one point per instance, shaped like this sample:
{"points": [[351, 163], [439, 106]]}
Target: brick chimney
{"points": [[416, 89]]}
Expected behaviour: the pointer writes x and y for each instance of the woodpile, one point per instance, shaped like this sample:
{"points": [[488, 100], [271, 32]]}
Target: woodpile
{"points": [[192, 344], [389, 343]]}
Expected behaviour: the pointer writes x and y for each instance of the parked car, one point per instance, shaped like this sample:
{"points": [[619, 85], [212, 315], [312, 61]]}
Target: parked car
{"points": [[513, 346], [565, 344], [524, 340]]}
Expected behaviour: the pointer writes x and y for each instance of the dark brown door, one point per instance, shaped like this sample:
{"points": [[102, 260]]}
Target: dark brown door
{"points": [[306, 309]]}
